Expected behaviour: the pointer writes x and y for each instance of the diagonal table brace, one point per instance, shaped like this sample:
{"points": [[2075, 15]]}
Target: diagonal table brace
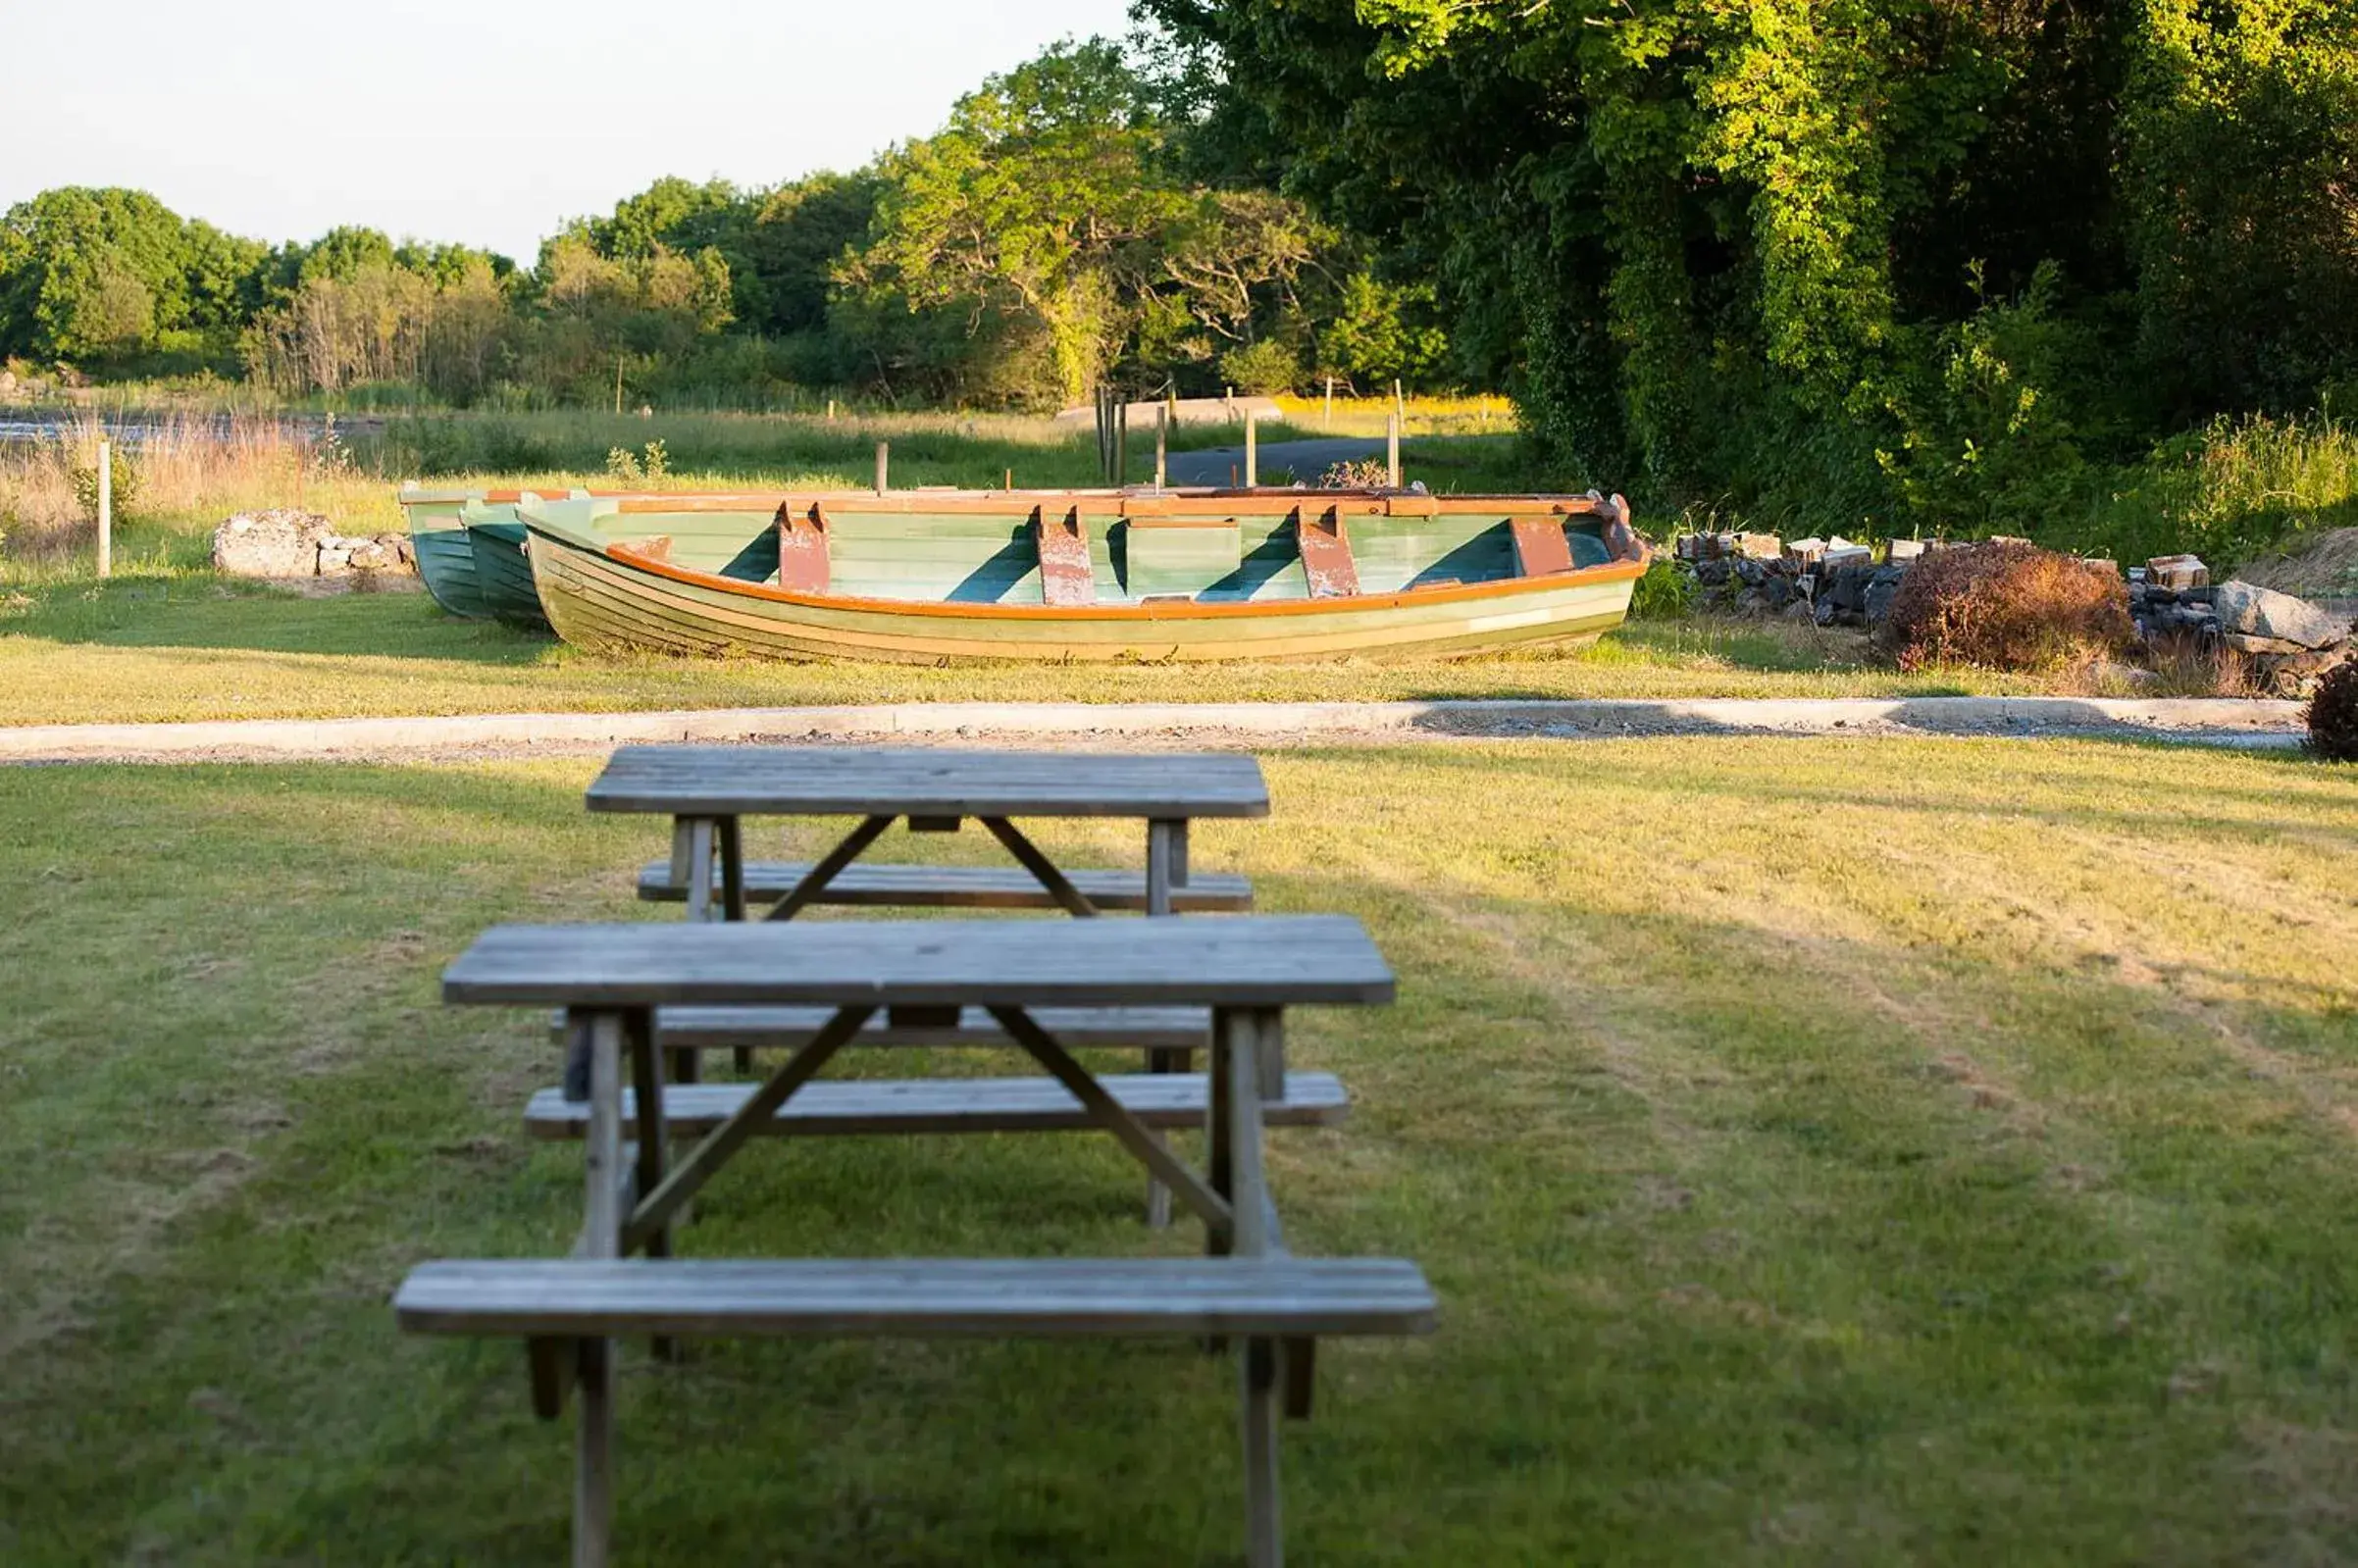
{"points": [[814, 880], [656, 1208], [1110, 1114], [1060, 887]]}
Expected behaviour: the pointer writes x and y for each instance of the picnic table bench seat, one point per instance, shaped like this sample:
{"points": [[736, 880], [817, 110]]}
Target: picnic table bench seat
{"points": [[786, 1027], [889, 1297], [1166, 1101], [878, 884]]}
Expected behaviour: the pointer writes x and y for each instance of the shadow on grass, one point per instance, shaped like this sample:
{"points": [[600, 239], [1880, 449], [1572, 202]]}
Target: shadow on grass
{"points": [[201, 612]]}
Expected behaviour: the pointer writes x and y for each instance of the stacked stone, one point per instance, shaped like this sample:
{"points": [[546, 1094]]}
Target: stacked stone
{"points": [[287, 543], [1830, 582]]}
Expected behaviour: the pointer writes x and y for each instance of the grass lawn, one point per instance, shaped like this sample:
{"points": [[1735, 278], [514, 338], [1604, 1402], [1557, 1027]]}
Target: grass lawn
{"points": [[171, 647], [1826, 1153]]}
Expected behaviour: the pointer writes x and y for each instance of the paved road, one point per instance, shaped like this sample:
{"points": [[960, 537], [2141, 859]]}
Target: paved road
{"points": [[1281, 461]]}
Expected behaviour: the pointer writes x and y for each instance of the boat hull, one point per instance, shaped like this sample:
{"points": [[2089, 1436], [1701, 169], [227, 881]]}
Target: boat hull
{"points": [[603, 598], [437, 534], [503, 575]]}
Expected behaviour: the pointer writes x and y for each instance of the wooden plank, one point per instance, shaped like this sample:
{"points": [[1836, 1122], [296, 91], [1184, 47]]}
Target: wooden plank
{"points": [[1171, 1100], [1110, 1114], [917, 1296], [656, 1212], [1257, 1391], [802, 558], [1540, 547], [1162, 1028], [879, 884], [1066, 576], [1236, 960], [906, 781], [601, 1243], [1326, 555], [816, 879], [1044, 871]]}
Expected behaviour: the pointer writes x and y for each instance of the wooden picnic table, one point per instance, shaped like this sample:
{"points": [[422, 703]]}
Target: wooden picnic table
{"points": [[708, 791], [611, 979]]}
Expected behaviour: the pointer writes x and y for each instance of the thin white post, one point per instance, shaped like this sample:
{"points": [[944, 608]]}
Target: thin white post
{"points": [[1162, 446], [884, 457], [1400, 404], [1330, 402], [1252, 449], [1392, 451], [106, 507]]}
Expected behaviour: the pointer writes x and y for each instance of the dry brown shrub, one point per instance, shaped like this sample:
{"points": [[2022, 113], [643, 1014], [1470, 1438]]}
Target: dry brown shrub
{"points": [[2006, 607], [2333, 713], [2188, 666]]}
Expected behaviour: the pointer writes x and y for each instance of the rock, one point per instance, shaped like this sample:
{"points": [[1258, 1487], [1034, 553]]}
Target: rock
{"points": [[2178, 572], [369, 555], [1882, 589], [2245, 643], [278, 543], [1906, 549], [1799, 610], [1825, 612], [1712, 573], [2259, 612], [1750, 570]]}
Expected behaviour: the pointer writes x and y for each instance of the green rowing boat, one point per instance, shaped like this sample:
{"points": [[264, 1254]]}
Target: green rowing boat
{"points": [[1143, 574], [470, 552]]}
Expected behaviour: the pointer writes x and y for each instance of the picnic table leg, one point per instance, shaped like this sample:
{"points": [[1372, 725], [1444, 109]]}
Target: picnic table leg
{"points": [[1257, 1381], [654, 1140], [732, 908], [1166, 859], [693, 837], [601, 1237]]}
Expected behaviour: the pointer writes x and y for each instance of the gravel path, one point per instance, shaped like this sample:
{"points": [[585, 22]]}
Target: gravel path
{"points": [[2209, 721]]}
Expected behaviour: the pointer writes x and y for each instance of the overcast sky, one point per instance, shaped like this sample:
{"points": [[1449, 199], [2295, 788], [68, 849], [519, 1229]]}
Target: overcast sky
{"points": [[487, 121]]}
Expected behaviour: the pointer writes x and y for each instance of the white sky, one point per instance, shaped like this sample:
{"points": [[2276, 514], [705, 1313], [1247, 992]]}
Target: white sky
{"points": [[487, 122]]}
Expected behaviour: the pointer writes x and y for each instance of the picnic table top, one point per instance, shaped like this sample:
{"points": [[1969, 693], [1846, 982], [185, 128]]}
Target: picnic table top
{"points": [[1209, 960], [925, 780]]}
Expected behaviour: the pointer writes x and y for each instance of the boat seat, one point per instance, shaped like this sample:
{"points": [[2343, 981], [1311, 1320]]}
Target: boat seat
{"points": [[804, 565], [1066, 576], [1540, 547], [1326, 555]]}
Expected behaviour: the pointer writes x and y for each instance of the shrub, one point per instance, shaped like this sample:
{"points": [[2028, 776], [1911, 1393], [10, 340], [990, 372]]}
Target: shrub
{"points": [[1263, 368], [2006, 607], [123, 490], [1665, 593], [2333, 714]]}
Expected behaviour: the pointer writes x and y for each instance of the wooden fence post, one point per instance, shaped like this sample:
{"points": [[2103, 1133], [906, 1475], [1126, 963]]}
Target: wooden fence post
{"points": [[1162, 446], [106, 507], [883, 456], [1252, 449], [1392, 451]]}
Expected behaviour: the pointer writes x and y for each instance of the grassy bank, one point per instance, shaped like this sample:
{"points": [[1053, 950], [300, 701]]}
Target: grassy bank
{"points": [[165, 649], [1907, 1181]]}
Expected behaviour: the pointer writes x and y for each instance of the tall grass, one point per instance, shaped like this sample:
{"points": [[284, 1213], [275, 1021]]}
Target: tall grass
{"points": [[183, 469], [2232, 492]]}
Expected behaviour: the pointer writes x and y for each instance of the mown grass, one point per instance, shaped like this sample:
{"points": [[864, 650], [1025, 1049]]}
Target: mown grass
{"points": [[161, 648], [1825, 1151]]}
